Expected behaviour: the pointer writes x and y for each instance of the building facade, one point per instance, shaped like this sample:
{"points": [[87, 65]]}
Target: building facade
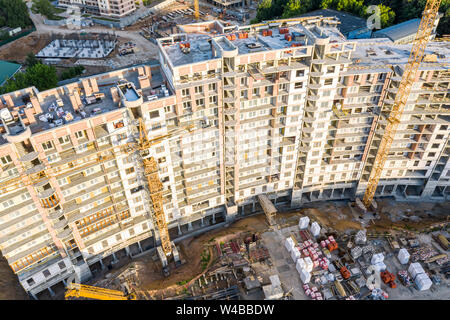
{"points": [[113, 8], [294, 112]]}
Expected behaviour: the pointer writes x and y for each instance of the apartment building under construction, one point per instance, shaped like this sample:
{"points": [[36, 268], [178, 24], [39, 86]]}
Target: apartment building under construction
{"points": [[113, 8], [291, 109]]}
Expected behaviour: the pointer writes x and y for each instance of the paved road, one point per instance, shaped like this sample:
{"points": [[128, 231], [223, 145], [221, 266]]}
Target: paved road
{"points": [[147, 49], [42, 28]]}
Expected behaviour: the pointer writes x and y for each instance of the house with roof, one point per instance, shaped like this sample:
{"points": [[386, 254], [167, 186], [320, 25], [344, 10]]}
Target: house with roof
{"points": [[404, 32], [351, 26]]}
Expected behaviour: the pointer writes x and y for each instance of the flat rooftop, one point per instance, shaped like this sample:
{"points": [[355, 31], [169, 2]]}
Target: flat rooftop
{"points": [[57, 109], [382, 51], [201, 47], [348, 22], [400, 30]]}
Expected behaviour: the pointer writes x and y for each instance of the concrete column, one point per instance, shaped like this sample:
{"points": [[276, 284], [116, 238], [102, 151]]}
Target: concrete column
{"points": [[101, 263], [33, 296], [179, 230], [202, 223], [275, 200], [394, 189], [51, 291], [214, 217], [321, 194], [140, 248], [190, 226], [253, 205], [114, 256], [127, 249], [242, 209], [65, 283]]}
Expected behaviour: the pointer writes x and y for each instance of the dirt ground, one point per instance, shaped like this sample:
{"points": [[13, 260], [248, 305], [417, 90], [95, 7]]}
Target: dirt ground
{"points": [[336, 215], [18, 50], [10, 288], [191, 250]]}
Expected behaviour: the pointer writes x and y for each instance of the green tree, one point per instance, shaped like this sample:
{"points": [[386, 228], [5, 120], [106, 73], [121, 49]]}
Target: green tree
{"points": [[72, 72], [31, 59], [298, 7], [45, 8], [328, 4], [387, 16], [14, 13], [40, 75], [264, 10], [352, 6]]}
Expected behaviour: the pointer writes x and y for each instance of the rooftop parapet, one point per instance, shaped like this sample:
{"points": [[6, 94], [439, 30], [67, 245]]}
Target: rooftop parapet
{"points": [[29, 111], [211, 39]]}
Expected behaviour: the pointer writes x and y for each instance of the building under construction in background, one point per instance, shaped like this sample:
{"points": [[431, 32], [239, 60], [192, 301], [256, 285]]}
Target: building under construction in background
{"points": [[112, 8], [130, 159]]}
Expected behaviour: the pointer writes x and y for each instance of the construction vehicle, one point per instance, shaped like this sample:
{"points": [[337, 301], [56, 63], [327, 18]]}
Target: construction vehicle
{"points": [[76, 290], [388, 278], [342, 269], [409, 75]]}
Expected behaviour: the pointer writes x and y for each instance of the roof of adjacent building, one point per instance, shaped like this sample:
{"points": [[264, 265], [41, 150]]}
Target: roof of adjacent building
{"points": [[7, 70], [400, 31], [348, 21], [382, 52]]}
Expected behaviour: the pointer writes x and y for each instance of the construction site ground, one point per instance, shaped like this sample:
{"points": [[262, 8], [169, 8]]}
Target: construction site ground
{"points": [[17, 50], [338, 216], [148, 280]]}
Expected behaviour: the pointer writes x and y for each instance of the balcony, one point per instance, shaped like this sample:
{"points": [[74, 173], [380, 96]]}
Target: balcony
{"points": [[48, 198], [60, 224], [29, 157], [64, 233], [55, 214]]}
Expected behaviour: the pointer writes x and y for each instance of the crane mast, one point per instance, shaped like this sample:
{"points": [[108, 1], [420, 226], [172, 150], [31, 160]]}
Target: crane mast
{"points": [[408, 78], [155, 187], [197, 10], [76, 290]]}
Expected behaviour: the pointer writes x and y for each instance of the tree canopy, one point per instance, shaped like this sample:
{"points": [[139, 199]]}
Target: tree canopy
{"points": [[45, 8], [31, 59], [40, 75], [72, 72], [392, 11], [14, 13]]}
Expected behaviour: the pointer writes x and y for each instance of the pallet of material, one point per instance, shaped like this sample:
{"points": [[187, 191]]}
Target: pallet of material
{"points": [[259, 254]]}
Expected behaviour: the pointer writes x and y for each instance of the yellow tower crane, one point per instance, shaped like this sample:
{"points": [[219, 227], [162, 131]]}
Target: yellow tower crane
{"points": [[415, 58], [150, 168], [197, 10], [76, 290], [154, 183]]}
